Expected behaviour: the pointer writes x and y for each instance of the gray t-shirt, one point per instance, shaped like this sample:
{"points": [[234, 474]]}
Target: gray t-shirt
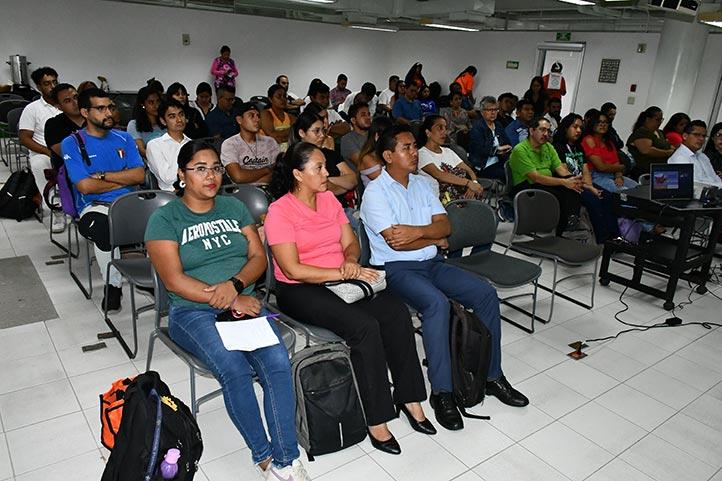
{"points": [[262, 153], [351, 143]]}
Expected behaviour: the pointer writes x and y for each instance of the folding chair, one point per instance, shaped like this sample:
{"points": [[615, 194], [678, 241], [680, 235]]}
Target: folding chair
{"points": [[537, 213], [473, 224], [127, 218], [255, 199], [195, 365]]}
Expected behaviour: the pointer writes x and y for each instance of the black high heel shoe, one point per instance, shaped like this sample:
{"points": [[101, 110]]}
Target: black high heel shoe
{"points": [[390, 446], [424, 427]]}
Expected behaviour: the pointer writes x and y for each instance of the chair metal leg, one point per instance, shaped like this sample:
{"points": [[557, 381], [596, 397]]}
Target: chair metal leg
{"points": [[151, 345], [134, 319], [532, 315], [88, 293], [194, 402]]}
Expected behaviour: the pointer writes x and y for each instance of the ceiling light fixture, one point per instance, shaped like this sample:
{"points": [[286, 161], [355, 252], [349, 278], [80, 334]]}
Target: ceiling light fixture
{"points": [[577, 2], [451, 27], [375, 29], [711, 18], [312, 1]]}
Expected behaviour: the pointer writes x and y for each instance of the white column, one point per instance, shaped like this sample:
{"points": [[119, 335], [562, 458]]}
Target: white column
{"points": [[679, 58]]}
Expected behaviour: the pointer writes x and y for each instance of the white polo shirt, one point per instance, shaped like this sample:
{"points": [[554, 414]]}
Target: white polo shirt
{"points": [[162, 154], [33, 118]]}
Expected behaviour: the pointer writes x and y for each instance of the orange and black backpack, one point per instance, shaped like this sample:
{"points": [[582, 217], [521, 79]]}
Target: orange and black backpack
{"points": [[145, 421]]}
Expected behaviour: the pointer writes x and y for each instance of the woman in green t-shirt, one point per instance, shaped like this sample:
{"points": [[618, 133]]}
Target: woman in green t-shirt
{"points": [[208, 253]]}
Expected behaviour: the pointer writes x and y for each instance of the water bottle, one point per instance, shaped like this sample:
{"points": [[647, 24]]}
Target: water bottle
{"points": [[169, 465]]}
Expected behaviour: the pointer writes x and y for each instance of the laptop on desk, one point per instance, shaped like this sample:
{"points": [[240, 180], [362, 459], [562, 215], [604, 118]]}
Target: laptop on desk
{"points": [[673, 185]]}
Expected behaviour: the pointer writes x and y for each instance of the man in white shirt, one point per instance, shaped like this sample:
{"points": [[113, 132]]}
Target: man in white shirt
{"points": [[554, 115], [385, 96], [162, 152], [366, 94], [690, 152], [248, 157], [31, 130]]}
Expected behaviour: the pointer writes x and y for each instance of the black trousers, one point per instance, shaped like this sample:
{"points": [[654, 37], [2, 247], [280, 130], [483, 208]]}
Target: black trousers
{"points": [[569, 201], [379, 333]]}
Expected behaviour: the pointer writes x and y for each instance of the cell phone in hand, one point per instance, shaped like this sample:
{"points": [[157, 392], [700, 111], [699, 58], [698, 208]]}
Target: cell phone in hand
{"points": [[230, 315]]}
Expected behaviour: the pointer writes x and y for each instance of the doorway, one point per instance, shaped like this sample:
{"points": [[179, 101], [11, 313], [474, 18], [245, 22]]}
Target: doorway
{"points": [[571, 57]]}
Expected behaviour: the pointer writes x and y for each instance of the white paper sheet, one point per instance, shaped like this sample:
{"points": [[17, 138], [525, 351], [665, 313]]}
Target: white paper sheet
{"points": [[247, 334]]}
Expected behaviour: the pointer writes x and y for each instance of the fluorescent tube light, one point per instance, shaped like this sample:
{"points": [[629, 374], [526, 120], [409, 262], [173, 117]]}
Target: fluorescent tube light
{"points": [[312, 1], [577, 2], [451, 27], [711, 18], [375, 29]]}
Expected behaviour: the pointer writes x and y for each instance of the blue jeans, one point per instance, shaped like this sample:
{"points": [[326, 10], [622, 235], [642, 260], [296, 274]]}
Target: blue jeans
{"points": [[605, 180], [194, 330], [427, 287], [601, 213]]}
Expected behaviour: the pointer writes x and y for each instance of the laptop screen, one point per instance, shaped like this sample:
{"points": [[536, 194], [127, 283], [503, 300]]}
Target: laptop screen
{"points": [[672, 181]]}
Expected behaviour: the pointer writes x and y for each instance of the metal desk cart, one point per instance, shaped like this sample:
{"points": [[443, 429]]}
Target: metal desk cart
{"points": [[671, 258]]}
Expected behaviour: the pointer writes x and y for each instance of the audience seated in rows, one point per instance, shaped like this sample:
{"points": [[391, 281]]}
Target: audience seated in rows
{"points": [[116, 166], [367, 94], [489, 146], [408, 108], [518, 129], [221, 121], [353, 142], [204, 281], [162, 153], [312, 242], [248, 156], [338, 94], [145, 125], [196, 127], [318, 92], [406, 224], [275, 121]]}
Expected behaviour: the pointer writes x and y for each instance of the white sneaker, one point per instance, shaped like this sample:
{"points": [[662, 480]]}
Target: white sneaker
{"points": [[294, 472], [58, 223]]}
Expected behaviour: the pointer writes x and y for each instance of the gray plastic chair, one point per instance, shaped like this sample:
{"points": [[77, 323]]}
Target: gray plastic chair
{"points": [[254, 197], [645, 179], [310, 332], [473, 224], [127, 219], [537, 213], [195, 365]]}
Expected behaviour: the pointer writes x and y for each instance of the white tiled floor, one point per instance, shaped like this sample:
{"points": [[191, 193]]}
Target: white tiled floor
{"points": [[647, 406]]}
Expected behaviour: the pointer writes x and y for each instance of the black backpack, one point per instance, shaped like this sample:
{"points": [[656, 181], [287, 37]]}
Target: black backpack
{"points": [[470, 356], [19, 197], [329, 415], [153, 422]]}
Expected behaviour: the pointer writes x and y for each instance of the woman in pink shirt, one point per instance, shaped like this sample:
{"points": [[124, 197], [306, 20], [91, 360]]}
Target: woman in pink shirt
{"points": [[312, 243], [224, 68]]}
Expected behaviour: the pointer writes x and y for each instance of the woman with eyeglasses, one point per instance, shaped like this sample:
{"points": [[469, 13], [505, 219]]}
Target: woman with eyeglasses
{"points": [[489, 147], [607, 172], [207, 252], [647, 144], [398, 93], [145, 125], [714, 148]]}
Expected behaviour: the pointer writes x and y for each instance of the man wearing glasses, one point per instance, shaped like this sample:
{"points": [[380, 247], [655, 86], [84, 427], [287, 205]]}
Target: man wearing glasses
{"points": [[535, 164], [690, 152], [102, 164]]}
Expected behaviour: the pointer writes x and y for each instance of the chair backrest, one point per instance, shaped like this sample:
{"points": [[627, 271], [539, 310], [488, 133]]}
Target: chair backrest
{"points": [[128, 215], [161, 299], [151, 182], [14, 120], [270, 281], [9, 96], [473, 223], [645, 179], [415, 126], [363, 240], [459, 150], [508, 174], [7, 105], [537, 211], [255, 198]]}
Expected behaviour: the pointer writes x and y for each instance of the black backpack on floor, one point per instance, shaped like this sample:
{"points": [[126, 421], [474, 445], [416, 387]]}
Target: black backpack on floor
{"points": [[470, 357], [19, 197], [153, 422], [329, 415]]}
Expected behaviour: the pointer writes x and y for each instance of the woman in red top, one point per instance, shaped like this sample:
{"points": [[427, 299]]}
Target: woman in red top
{"points": [[312, 243], [601, 154]]}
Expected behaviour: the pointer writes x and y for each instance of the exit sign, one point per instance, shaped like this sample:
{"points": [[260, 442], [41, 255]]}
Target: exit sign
{"points": [[564, 36]]}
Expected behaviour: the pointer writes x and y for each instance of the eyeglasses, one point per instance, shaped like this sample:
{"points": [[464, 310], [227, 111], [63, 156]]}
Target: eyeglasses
{"points": [[216, 169], [318, 131], [602, 122], [542, 129], [699, 135], [104, 108], [491, 110]]}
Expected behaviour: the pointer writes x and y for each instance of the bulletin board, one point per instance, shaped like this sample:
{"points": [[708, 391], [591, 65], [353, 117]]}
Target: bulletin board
{"points": [[609, 70]]}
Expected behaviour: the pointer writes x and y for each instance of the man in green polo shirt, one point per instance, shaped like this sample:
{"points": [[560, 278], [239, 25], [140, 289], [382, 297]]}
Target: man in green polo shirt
{"points": [[536, 165]]}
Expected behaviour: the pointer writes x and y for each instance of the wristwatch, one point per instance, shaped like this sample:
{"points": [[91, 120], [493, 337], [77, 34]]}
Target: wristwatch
{"points": [[238, 284], [101, 175]]}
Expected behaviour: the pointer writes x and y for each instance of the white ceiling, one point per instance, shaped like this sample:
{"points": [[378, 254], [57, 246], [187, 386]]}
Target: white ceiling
{"points": [[605, 15]]}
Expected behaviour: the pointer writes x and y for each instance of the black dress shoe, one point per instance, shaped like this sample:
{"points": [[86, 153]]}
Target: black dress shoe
{"points": [[505, 393], [424, 427], [447, 414], [390, 446]]}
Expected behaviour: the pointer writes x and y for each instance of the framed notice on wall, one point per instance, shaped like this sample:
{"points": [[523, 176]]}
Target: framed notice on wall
{"points": [[609, 70]]}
